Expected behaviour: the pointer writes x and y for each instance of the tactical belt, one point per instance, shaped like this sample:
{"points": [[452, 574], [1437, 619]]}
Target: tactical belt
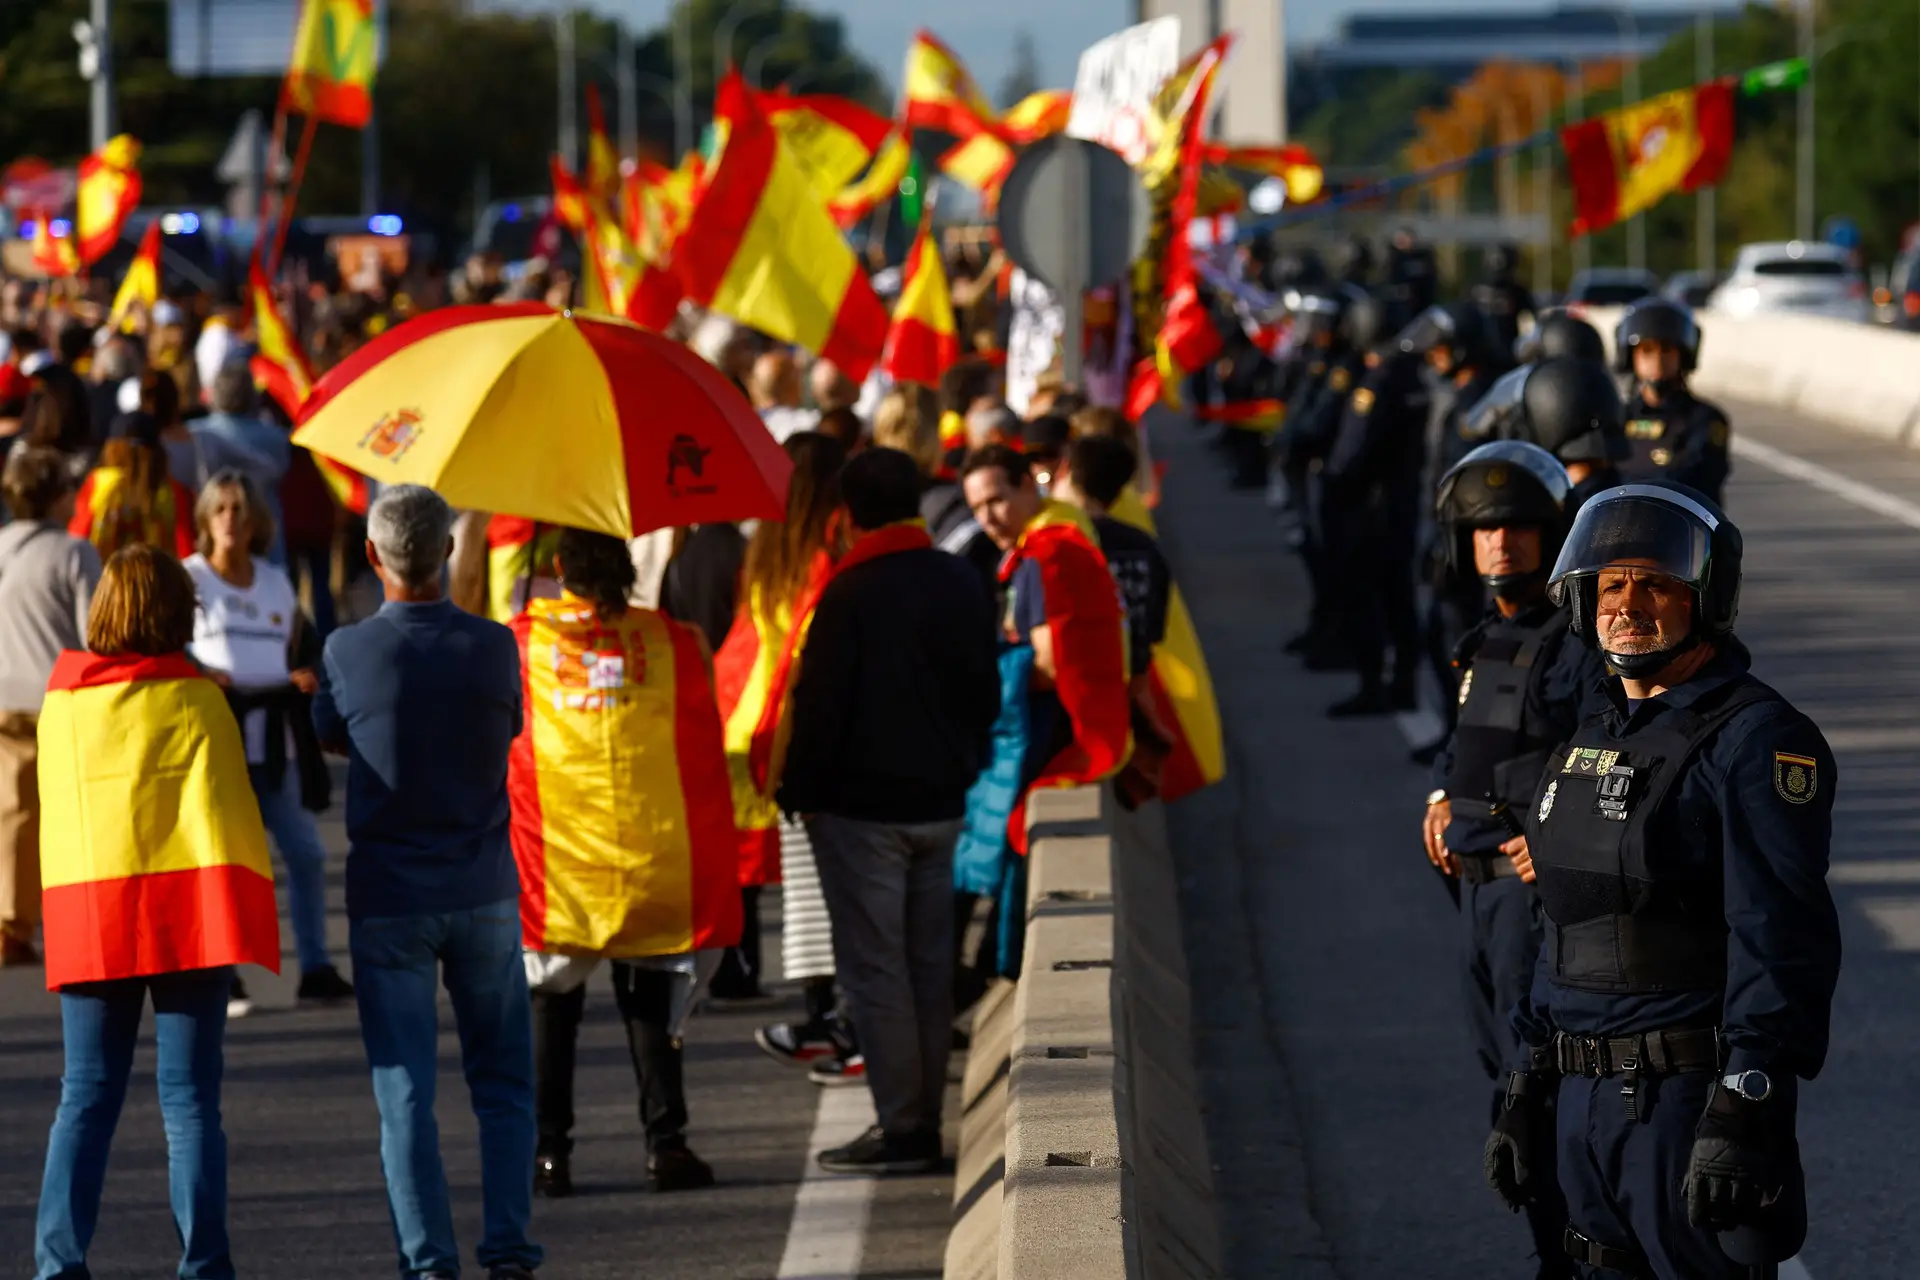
{"points": [[1481, 868], [1626, 1262], [1656, 1053]]}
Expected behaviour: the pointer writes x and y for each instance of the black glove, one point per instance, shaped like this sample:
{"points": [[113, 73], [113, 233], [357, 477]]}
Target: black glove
{"points": [[1518, 1131], [1734, 1172]]}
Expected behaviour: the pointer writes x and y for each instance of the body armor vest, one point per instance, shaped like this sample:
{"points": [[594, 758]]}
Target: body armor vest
{"points": [[1622, 918], [1499, 749]]}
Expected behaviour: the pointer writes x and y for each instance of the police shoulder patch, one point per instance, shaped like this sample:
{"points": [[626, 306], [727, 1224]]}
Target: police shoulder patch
{"points": [[1363, 401], [1796, 778], [1718, 433], [1340, 379]]}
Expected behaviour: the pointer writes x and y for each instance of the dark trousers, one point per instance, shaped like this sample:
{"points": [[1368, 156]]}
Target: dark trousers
{"points": [[740, 973], [1622, 1175], [1503, 924], [645, 1000], [1380, 610]]}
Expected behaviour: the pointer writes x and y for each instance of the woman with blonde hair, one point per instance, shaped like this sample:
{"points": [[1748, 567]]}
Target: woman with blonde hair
{"points": [[131, 497], [157, 883], [250, 635]]}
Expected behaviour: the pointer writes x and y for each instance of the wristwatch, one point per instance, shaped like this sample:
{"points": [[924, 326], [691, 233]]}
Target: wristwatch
{"points": [[1753, 1086], [1436, 796]]}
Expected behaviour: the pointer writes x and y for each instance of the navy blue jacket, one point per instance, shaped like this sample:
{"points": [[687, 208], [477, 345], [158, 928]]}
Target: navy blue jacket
{"points": [[1783, 941]]}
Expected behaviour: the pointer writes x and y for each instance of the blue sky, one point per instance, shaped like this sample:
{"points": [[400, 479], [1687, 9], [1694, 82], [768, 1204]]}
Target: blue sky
{"points": [[983, 31]]}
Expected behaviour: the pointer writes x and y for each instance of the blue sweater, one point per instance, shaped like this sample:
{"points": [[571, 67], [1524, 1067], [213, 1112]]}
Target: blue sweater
{"points": [[427, 700]]}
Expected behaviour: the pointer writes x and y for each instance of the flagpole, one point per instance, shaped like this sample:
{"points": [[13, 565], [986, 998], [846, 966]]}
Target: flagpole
{"points": [[275, 144], [307, 131]]}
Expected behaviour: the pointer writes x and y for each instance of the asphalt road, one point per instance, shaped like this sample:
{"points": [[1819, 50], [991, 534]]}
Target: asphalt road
{"points": [[308, 1202], [1347, 1112]]}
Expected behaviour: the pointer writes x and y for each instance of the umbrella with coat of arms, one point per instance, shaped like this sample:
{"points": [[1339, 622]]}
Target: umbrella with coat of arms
{"points": [[561, 418]]}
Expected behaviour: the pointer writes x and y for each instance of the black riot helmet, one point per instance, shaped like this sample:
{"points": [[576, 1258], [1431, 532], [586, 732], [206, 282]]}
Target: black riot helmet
{"points": [[1501, 484], [1354, 259], [1498, 415], [1316, 313], [1571, 408], [1363, 321], [1499, 261], [1663, 528], [1461, 329], [1560, 333], [1659, 320]]}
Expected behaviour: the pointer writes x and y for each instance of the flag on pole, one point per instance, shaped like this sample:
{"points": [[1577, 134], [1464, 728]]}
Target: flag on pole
{"points": [[53, 248], [330, 76], [1293, 165], [141, 284], [831, 137], [280, 369], [1038, 115], [940, 92], [762, 248], [602, 178], [108, 191], [881, 183], [1631, 159], [981, 162], [922, 343]]}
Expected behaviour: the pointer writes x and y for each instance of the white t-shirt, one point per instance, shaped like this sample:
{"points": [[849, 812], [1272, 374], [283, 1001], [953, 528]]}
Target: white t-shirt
{"points": [[244, 631]]}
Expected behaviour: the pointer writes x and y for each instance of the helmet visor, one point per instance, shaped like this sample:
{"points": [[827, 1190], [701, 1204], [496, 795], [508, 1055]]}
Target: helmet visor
{"points": [[1637, 526], [1431, 328], [1493, 414]]}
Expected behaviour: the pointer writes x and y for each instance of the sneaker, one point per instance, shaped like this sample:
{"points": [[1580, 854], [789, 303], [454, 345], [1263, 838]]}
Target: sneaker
{"points": [[677, 1169], [552, 1177], [875, 1152], [798, 1044], [833, 1072], [239, 1003], [324, 986]]}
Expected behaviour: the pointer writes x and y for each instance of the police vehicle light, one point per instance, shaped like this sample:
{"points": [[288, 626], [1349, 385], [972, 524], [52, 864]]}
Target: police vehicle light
{"points": [[189, 223], [384, 224], [61, 228], [510, 213], [29, 230]]}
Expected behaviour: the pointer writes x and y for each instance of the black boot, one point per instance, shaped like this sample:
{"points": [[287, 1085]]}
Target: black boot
{"points": [[674, 1168], [552, 1176]]}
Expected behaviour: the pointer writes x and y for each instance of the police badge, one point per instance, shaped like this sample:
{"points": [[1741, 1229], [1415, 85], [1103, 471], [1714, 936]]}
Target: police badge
{"points": [[1546, 801], [1796, 778]]}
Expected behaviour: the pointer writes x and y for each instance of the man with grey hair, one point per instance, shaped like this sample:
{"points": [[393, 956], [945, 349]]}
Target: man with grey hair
{"points": [[424, 700]]}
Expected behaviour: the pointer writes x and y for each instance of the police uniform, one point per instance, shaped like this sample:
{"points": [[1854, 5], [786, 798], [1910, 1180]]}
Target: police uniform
{"points": [[1683, 439], [1692, 946]]}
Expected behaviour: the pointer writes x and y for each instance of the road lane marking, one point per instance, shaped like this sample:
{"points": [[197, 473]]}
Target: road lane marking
{"points": [[1878, 501], [828, 1235]]}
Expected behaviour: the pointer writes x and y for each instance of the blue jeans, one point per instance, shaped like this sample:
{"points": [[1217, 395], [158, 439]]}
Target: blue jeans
{"points": [[100, 1022], [477, 952], [305, 858]]}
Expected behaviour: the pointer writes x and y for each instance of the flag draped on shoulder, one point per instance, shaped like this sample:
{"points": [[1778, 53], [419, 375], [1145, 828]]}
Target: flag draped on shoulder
{"points": [[141, 285], [108, 191], [153, 858], [330, 76], [1088, 628], [922, 343], [1631, 159], [761, 247], [622, 812]]}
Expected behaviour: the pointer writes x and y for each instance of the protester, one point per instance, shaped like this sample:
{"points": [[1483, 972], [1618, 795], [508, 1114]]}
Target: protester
{"points": [[47, 579], [774, 387], [131, 497], [892, 711], [116, 366], [701, 584], [845, 426], [58, 416], [235, 435], [1044, 442], [832, 388], [250, 635], [642, 870], [908, 422], [157, 882], [425, 701], [785, 567]]}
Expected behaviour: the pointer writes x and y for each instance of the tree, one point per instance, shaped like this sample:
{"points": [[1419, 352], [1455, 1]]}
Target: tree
{"points": [[1023, 75]]}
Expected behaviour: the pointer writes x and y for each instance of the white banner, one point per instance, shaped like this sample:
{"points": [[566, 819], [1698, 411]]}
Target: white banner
{"points": [[1033, 344], [1116, 82]]}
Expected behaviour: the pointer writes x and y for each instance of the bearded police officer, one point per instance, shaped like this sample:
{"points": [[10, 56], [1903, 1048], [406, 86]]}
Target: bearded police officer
{"points": [[1674, 435], [1525, 685], [1684, 985]]}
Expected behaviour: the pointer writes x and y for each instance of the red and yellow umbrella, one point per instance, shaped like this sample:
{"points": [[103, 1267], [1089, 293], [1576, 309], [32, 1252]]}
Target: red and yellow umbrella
{"points": [[575, 420]]}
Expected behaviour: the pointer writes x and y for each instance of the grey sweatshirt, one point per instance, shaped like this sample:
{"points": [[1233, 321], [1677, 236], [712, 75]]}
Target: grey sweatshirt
{"points": [[47, 577]]}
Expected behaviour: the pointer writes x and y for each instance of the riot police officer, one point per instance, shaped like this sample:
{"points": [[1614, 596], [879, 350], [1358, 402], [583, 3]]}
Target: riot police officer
{"points": [[1371, 485], [1526, 683], [1501, 297], [1558, 332], [1413, 278], [1569, 407], [1680, 842], [1674, 435]]}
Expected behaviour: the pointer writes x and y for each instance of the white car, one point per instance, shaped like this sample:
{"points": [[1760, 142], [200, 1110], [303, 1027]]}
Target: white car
{"points": [[1798, 277]]}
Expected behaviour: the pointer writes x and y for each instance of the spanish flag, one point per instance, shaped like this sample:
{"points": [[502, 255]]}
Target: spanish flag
{"points": [[1179, 686], [141, 284], [622, 812], [762, 249], [108, 513], [519, 565], [880, 183], [1633, 158], [831, 137], [981, 162], [752, 674], [280, 369], [1293, 165], [330, 76], [603, 160], [923, 342], [940, 92], [108, 191], [1038, 115], [54, 254], [1089, 630], [153, 858]]}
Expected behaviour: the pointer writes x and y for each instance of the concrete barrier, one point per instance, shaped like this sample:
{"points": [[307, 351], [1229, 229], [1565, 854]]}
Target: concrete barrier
{"points": [[1082, 1152]]}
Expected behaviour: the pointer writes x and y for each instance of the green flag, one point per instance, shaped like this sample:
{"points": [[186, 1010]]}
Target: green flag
{"points": [[913, 193], [1775, 76]]}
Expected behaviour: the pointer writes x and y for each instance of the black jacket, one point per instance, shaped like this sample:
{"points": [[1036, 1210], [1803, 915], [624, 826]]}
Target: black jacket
{"points": [[943, 505], [703, 581], [899, 686]]}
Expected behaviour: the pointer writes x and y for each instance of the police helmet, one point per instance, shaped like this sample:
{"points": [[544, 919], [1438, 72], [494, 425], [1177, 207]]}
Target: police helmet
{"points": [[1662, 527], [1571, 408], [1300, 268], [1560, 333], [1364, 319], [1460, 328], [1316, 312], [1354, 260], [1498, 415], [1657, 320], [1506, 482], [1499, 261]]}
